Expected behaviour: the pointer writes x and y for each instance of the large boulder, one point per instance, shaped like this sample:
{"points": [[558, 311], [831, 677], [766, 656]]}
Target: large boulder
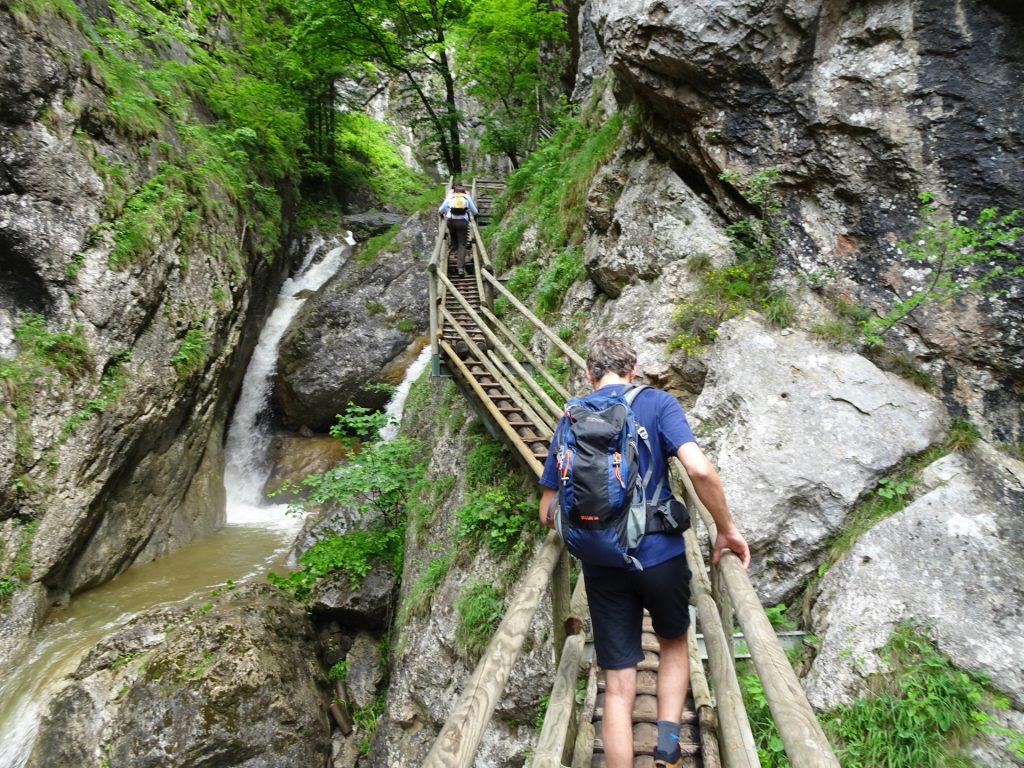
{"points": [[799, 432], [360, 329], [363, 603], [643, 222], [229, 683], [951, 564]]}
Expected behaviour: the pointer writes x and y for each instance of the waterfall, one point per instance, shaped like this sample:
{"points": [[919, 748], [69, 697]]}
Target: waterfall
{"points": [[246, 469], [396, 405]]}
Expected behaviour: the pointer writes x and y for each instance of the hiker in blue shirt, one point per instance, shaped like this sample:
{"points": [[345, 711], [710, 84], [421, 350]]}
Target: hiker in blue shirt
{"points": [[456, 209], [617, 596]]}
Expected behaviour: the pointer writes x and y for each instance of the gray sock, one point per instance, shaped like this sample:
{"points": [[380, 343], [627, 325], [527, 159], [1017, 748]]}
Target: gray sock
{"points": [[668, 738]]}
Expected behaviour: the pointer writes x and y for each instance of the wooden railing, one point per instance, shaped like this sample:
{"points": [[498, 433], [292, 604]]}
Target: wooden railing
{"points": [[721, 595]]}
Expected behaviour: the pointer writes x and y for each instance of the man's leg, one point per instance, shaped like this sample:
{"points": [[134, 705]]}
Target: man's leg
{"points": [[667, 597], [617, 726], [617, 617], [462, 230], [673, 677]]}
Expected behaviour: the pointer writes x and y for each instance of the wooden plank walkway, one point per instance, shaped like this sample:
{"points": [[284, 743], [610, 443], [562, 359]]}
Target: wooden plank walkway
{"points": [[516, 418]]}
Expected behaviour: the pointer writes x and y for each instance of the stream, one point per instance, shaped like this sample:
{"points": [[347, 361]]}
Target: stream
{"points": [[255, 539]]}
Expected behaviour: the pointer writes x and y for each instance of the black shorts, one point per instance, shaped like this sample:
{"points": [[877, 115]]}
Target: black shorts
{"points": [[617, 601]]}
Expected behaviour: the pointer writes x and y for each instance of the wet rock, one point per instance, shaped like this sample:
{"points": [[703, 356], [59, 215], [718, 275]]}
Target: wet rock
{"points": [[861, 109], [366, 604], [295, 458], [119, 461], [360, 322], [230, 682], [367, 225], [951, 564]]}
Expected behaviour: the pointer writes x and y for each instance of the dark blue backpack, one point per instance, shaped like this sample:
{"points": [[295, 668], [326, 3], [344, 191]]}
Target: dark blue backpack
{"points": [[602, 511]]}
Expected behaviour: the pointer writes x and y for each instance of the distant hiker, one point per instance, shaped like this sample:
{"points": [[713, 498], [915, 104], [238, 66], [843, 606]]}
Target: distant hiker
{"points": [[456, 209], [654, 575]]}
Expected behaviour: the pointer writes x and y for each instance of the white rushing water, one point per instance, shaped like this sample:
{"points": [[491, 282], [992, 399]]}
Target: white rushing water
{"points": [[256, 538], [396, 405], [246, 469]]}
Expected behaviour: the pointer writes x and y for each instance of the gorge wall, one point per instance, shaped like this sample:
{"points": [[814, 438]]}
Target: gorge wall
{"points": [[860, 106], [125, 291]]}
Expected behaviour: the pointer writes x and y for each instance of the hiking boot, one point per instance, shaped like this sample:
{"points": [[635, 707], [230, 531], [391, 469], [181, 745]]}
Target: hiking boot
{"points": [[662, 760]]}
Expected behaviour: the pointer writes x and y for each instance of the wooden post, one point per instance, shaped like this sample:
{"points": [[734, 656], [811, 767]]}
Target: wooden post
{"points": [[583, 753], [456, 744], [707, 721], [737, 741], [560, 607], [561, 705]]}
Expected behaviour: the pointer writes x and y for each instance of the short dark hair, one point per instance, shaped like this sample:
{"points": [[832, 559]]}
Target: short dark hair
{"points": [[610, 354]]}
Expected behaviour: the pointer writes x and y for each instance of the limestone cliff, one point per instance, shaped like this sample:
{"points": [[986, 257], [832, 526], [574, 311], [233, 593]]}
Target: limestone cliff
{"points": [[128, 298], [861, 106]]}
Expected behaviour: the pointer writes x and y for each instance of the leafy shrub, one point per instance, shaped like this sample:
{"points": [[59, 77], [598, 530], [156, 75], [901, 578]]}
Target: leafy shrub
{"points": [[111, 383], [549, 190], [191, 352], [564, 269], [923, 711], [495, 517], [418, 598], [479, 609], [65, 351], [374, 482], [358, 421], [746, 283], [355, 553], [953, 255], [770, 751]]}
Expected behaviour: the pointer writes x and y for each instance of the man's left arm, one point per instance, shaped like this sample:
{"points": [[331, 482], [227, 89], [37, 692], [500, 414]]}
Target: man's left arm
{"points": [[708, 486], [544, 512]]}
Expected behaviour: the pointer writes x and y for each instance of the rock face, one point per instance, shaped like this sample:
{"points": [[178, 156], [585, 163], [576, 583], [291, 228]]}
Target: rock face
{"points": [[427, 670], [950, 564], [117, 375], [231, 682], [860, 107], [354, 332], [799, 432]]}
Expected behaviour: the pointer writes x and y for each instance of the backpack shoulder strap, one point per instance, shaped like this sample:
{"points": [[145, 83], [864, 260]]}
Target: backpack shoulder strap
{"points": [[631, 392]]}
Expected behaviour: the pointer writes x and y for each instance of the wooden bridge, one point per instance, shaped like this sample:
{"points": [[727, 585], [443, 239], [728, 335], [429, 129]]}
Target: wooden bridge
{"points": [[521, 401]]}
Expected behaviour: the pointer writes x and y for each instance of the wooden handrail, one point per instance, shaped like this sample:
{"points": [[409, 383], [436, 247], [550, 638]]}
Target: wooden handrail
{"points": [[456, 745], [568, 351], [802, 735]]}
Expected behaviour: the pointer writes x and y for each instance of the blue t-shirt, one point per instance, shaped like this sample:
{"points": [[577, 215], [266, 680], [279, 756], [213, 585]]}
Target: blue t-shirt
{"points": [[667, 430]]}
